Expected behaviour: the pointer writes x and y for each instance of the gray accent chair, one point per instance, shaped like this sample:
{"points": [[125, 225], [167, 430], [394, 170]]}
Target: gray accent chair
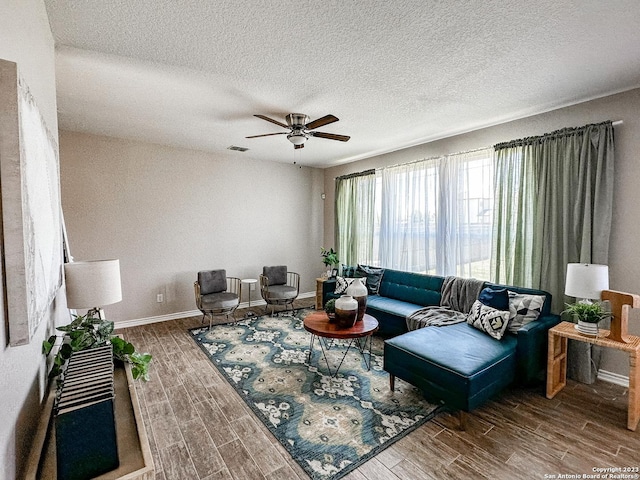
{"points": [[279, 286], [216, 294]]}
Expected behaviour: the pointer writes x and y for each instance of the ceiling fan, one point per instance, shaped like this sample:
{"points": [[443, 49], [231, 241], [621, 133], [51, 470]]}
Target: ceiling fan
{"points": [[300, 128]]}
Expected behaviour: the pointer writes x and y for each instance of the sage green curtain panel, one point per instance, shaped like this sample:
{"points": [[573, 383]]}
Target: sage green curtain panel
{"points": [[553, 206], [354, 217]]}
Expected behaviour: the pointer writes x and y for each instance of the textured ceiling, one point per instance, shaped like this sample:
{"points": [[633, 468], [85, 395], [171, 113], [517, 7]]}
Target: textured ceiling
{"points": [[397, 73]]}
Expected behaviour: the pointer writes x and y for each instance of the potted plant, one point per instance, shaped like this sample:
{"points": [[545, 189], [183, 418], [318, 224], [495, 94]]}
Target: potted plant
{"points": [[329, 258], [587, 315], [330, 309], [85, 332]]}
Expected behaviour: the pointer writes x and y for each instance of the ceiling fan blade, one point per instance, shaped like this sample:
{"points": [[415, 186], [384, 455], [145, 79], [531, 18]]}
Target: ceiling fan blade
{"points": [[272, 120], [295, 147], [320, 122], [330, 136], [267, 134]]}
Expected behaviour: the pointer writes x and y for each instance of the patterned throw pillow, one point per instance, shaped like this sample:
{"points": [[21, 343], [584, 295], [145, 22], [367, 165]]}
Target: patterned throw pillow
{"points": [[373, 276], [342, 283], [489, 320], [348, 271], [523, 309]]}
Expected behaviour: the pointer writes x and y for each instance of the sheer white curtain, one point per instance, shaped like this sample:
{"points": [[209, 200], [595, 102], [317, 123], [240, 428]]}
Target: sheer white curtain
{"points": [[435, 215], [407, 217], [465, 214]]}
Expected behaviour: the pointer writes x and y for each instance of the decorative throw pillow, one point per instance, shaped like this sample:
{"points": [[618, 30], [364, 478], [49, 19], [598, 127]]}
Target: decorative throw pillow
{"points": [[348, 271], [495, 298], [212, 281], [488, 319], [277, 275], [342, 283], [374, 277], [523, 309]]}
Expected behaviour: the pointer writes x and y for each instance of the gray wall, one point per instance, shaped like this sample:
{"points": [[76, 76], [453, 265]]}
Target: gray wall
{"points": [[624, 257], [25, 38], [167, 213]]}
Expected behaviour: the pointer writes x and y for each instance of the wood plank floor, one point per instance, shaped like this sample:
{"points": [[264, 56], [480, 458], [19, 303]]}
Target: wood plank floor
{"points": [[199, 428]]}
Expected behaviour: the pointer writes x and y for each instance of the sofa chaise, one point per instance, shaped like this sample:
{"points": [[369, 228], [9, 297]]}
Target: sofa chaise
{"points": [[459, 365]]}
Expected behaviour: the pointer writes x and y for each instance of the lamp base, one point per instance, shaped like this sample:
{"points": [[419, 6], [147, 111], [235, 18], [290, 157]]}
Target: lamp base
{"points": [[96, 312]]}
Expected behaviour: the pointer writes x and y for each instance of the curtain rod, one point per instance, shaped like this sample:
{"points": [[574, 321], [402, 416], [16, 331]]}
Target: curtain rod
{"points": [[368, 172], [435, 157], [555, 134], [371, 171]]}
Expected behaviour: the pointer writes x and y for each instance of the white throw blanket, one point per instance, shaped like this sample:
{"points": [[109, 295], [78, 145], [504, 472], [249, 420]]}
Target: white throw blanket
{"points": [[458, 295]]}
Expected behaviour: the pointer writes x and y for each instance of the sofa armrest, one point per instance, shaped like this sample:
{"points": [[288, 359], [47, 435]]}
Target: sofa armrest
{"points": [[531, 350]]}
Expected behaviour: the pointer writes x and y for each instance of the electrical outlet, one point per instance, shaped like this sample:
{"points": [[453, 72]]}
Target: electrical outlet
{"points": [[160, 298]]}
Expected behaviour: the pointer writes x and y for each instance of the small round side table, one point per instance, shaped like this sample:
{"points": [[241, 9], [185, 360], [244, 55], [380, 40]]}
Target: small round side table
{"points": [[248, 281]]}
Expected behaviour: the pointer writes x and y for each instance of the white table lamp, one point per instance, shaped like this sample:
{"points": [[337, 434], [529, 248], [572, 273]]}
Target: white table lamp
{"points": [[92, 285], [586, 280]]}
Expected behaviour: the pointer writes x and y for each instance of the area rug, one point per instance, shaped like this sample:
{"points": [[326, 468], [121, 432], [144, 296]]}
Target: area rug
{"points": [[330, 426]]}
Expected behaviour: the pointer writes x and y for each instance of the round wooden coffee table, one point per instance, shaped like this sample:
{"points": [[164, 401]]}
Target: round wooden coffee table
{"points": [[317, 323]]}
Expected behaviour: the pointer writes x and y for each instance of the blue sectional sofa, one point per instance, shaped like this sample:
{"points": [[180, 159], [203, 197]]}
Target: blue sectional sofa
{"points": [[456, 364]]}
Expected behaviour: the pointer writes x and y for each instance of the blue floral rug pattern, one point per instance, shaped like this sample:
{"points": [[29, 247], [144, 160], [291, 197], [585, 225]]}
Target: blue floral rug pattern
{"points": [[329, 425]]}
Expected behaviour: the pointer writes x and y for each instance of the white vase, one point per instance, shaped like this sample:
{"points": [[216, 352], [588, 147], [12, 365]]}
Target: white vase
{"points": [[587, 328], [359, 292], [346, 311]]}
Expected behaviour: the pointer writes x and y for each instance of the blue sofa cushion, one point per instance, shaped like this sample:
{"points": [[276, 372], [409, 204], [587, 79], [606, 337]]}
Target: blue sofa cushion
{"points": [[457, 364], [390, 305], [416, 288], [495, 298]]}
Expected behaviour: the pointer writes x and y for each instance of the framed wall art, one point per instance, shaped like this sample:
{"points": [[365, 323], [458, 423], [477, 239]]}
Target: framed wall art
{"points": [[31, 208]]}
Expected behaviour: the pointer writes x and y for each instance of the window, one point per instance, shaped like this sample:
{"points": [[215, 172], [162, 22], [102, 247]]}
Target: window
{"points": [[432, 216]]}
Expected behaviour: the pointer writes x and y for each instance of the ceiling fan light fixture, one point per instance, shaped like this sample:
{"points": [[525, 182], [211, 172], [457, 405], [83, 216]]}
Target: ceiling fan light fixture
{"points": [[297, 137]]}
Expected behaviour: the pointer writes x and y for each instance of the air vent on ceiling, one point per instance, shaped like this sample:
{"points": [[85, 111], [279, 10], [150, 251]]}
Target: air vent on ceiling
{"points": [[237, 149]]}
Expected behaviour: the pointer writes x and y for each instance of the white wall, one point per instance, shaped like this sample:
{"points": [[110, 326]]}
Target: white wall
{"points": [[167, 213], [25, 38], [624, 256]]}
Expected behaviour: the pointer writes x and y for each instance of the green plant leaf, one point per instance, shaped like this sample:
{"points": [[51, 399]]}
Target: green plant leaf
{"points": [[105, 328], [65, 351], [47, 345], [82, 341], [86, 331], [55, 371]]}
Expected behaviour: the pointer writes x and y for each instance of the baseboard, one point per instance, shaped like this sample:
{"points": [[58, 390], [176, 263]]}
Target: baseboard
{"points": [[611, 377], [191, 313]]}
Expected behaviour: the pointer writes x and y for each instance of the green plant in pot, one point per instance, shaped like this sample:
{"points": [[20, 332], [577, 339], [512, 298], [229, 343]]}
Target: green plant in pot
{"points": [[587, 316], [329, 258], [85, 332], [330, 308]]}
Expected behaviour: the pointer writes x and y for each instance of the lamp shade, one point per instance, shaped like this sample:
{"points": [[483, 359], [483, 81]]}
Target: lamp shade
{"points": [[586, 280], [92, 284]]}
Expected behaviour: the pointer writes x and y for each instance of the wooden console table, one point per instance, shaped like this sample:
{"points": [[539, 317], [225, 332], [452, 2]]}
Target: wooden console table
{"points": [[134, 451], [557, 363]]}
